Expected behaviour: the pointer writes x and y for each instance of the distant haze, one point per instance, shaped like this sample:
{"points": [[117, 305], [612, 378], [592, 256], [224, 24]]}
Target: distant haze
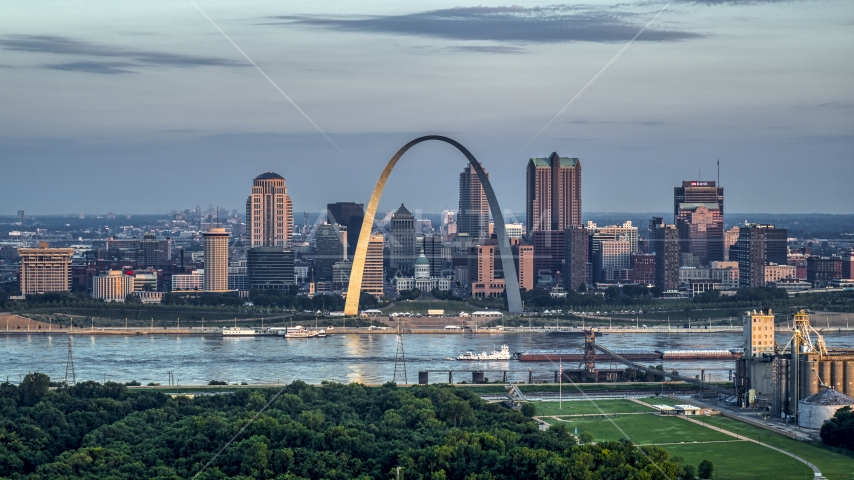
{"points": [[146, 107]]}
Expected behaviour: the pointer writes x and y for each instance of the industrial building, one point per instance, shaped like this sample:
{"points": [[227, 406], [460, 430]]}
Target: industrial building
{"points": [[784, 377]]}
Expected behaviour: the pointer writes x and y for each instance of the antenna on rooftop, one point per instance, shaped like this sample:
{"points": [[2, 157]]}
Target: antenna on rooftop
{"points": [[719, 172]]}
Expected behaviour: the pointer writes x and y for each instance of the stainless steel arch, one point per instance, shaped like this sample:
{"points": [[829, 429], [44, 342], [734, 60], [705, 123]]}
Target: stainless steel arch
{"points": [[514, 298]]}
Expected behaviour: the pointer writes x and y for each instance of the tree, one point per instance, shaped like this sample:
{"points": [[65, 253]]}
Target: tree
{"points": [[839, 430], [33, 388], [689, 472], [528, 410], [586, 437], [132, 299], [705, 469]]}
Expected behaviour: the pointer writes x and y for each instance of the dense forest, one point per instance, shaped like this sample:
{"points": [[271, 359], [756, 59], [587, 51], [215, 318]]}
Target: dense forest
{"points": [[334, 431]]}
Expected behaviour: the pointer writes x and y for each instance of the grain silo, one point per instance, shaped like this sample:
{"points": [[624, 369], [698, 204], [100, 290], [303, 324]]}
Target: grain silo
{"points": [[816, 409]]}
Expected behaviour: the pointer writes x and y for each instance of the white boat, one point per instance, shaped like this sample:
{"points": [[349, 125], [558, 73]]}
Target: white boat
{"points": [[503, 354], [246, 331], [300, 332]]}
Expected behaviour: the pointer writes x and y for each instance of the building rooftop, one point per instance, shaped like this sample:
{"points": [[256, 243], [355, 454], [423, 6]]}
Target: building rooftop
{"points": [[828, 396], [547, 161], [402, 212], [269, 175]]}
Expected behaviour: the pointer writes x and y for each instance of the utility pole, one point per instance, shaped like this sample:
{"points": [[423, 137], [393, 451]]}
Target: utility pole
{"points": [[69, 365], [560, 386], [399, 353]]}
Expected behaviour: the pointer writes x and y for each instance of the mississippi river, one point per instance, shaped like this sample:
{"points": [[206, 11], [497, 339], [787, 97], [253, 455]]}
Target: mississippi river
{"points": [[364, 358]]}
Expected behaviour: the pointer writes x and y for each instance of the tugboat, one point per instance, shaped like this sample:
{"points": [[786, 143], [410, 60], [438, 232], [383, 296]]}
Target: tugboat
{"points": [[503, 354]]}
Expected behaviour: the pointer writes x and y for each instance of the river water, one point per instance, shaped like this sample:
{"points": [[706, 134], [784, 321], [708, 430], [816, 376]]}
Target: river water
{"points": [[364, 358]]}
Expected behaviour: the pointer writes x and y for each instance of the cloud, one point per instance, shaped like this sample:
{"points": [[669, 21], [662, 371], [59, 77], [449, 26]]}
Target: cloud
{"points": [[553, 24], [645, 123], [123, 57], [111, 68], [487, 49], [739, 2]]}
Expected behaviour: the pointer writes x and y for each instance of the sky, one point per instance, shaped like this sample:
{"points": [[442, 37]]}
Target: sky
{"points": [[144, 107]]}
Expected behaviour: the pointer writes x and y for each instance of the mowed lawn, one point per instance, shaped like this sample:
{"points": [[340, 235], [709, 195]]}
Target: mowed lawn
{"points": [[666, 401], [584, 407], [642, 429], [833, 464], [742, 460]]}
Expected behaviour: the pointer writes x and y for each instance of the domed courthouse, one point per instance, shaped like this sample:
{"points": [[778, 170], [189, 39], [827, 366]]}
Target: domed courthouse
{"points": [[422, 280]]}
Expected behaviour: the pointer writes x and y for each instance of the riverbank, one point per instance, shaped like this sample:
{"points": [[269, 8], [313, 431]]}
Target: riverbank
{"points": [[567, 333]]}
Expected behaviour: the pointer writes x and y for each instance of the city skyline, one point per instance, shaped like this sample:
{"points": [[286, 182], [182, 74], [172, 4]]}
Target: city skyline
{"points": [[148, 104]]}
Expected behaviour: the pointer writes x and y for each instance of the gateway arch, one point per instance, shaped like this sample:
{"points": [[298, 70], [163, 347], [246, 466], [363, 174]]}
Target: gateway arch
{"points": [[514, 299]]}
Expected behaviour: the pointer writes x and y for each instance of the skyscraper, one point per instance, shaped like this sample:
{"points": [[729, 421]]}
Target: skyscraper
{"points": [[701, 231], [216, 260], [698, 212], [730, 238], [372, 279], [524, 256], [349, 215], [403, 241], [777, 246], [269, 212], [473, 214], [759, 245], [750, 249], [45, 269], [664, 239], [575, 261], [431, 247], [270, 268], [112, 286], [549, 252], [553, 197], [698, 191], [154, 251], [626, 230], [328, 251]]}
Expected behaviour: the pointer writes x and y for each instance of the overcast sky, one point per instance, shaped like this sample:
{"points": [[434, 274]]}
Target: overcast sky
{"points": [[142, 107]]}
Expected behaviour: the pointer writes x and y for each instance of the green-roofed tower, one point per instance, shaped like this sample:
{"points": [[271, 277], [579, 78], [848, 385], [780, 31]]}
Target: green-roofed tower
{"points": [[553, 193]]}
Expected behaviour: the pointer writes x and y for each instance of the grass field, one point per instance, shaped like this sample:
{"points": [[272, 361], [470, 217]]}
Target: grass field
{"points": [[742, 460], [732, 459], [665, 401], [583, 407], [644, 429], [833, 464]]}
